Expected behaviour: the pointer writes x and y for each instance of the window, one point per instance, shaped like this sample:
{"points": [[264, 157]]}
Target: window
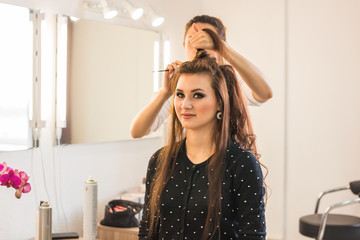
{"points": [[16, 57]]}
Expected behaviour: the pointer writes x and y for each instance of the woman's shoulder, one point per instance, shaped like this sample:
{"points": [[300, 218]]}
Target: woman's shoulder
{"points": [[163, 150], [236, 150], [237, 157], [154, 157]]}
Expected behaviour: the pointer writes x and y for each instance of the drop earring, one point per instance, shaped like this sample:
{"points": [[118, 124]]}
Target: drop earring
{"points": [[219, 115]]}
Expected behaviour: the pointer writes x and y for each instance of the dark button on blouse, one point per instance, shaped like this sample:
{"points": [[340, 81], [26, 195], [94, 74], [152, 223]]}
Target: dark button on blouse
{"points": [[184, 202]]}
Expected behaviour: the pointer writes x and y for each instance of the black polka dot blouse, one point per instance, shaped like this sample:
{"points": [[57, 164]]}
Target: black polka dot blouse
{"points": [[184, 199]]}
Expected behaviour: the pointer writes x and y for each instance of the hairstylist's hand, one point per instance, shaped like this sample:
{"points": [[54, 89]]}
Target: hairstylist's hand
{"points": [[172, 67], [201, 39]]}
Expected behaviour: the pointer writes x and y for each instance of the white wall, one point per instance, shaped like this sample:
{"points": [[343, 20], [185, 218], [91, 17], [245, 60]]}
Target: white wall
{"points": [[308, 133], [323, 104]]}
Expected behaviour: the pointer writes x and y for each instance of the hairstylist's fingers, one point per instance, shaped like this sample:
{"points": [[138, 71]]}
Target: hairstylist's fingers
{"points": [[179, 63], [202, 40], [172, 67], [170, 72], [169, 67], [199, 35], [175, 65], [195, 27]]}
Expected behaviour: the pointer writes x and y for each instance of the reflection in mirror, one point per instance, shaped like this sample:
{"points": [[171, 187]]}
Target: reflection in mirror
{"points": [[109, 80], [15, 77]]}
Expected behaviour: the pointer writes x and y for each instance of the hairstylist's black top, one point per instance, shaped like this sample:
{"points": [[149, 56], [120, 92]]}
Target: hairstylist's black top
{"points": [[184, 199]]}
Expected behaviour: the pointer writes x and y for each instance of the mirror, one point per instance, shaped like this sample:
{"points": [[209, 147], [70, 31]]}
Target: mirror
{"points": [[110, 80]]}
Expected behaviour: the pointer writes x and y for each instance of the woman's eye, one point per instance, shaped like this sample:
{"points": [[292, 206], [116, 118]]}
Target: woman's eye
{"points": [[179, 95], [198, 95]]}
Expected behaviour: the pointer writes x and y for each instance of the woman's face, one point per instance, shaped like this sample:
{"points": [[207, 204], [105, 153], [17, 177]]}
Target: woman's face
{"points": [[195, 102], [191, 51]]}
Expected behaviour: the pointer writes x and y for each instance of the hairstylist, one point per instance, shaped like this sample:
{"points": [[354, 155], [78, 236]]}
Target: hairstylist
{"points": [[256, 89]]}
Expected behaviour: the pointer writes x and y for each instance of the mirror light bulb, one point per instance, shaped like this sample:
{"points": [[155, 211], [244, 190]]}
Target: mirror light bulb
{"points": [[157, 21], [137, 13], [74, 19], [110, 14]]}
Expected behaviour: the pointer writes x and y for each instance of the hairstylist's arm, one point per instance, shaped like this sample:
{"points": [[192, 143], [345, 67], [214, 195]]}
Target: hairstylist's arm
{"points": [[143, 121], [252, 76]]}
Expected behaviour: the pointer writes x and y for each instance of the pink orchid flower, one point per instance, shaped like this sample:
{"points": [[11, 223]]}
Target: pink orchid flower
{"points": [[3, 167], [15, 179], [24, 187], [24, 177], [9, 179]]}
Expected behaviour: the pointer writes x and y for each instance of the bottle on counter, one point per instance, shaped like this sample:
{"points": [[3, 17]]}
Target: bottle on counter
{"points": [[90, 209], [45, 221]]}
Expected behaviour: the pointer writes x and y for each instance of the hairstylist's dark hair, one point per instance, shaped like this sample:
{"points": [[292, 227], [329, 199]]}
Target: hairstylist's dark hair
{"points": [[235, 125], [215, 22]]}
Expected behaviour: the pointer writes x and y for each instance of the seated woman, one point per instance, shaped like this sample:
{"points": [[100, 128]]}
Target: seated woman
{"points": [[207, 182]]}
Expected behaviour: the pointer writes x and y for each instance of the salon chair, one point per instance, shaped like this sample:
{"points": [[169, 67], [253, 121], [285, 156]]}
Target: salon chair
{"points": [[328, 226]]}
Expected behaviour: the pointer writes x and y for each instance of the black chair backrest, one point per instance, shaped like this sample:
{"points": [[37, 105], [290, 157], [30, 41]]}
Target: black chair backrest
{"points": [[355, 187]]}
